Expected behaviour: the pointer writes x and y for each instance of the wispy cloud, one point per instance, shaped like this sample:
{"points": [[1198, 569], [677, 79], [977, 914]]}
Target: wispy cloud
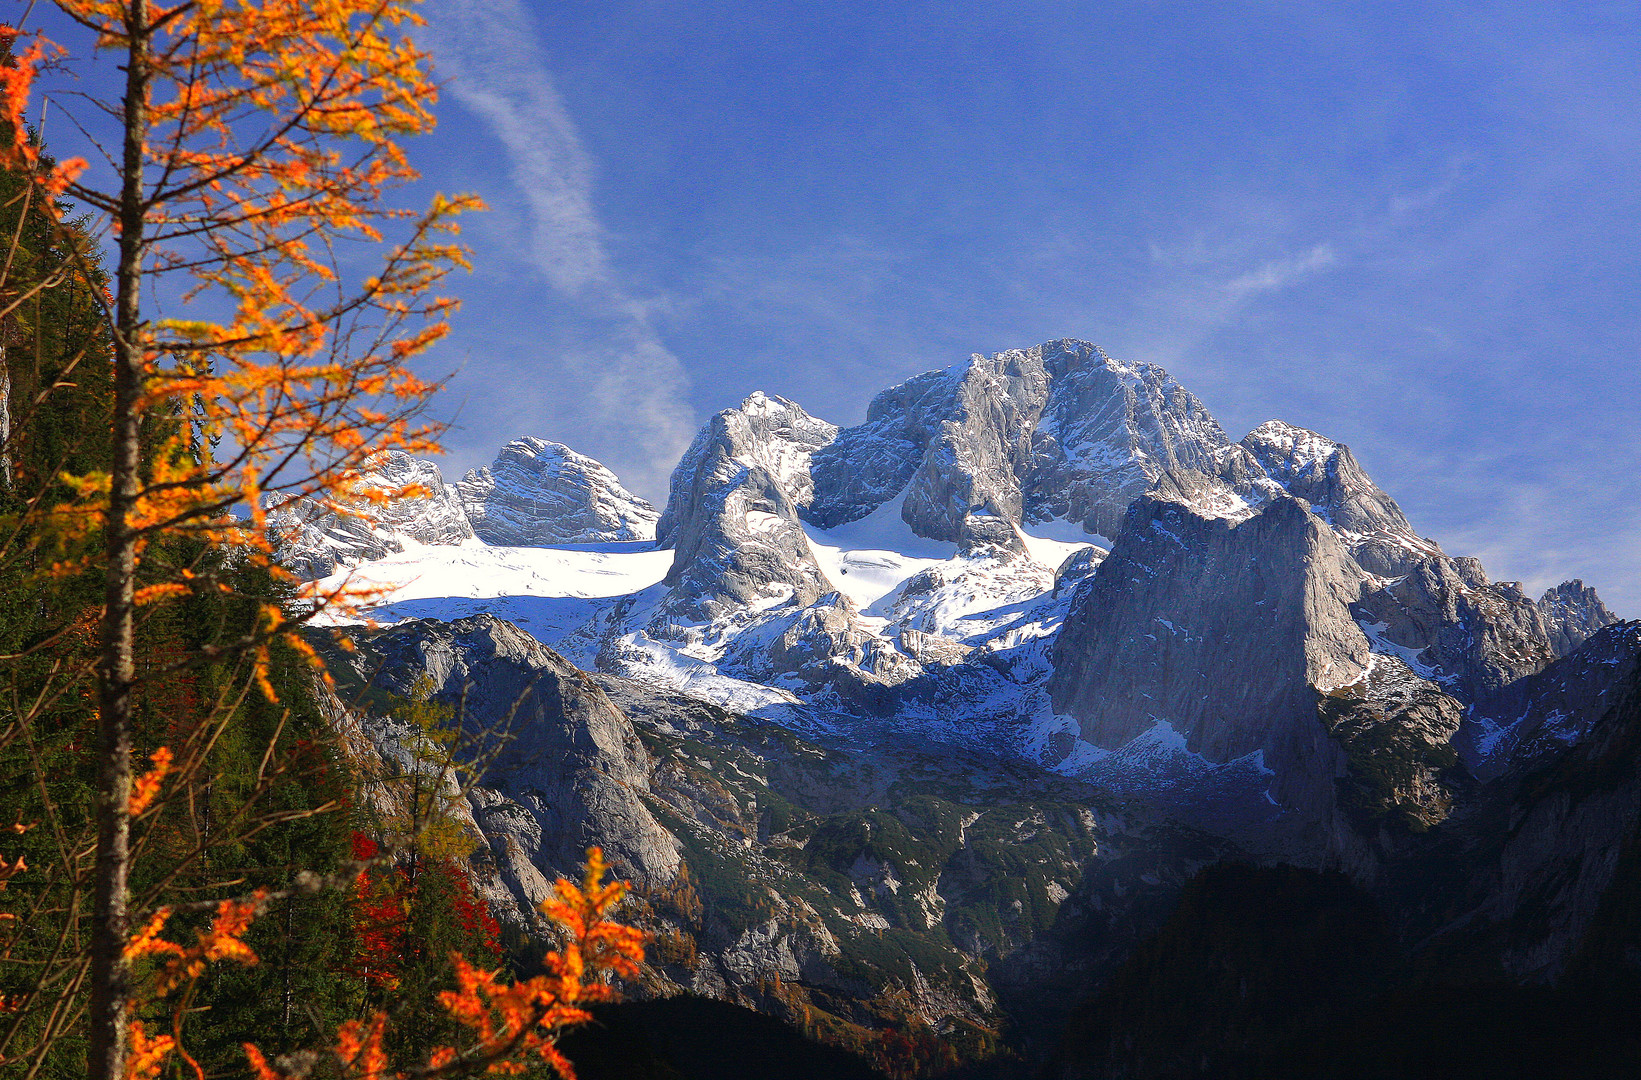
{"points": [[491, 65], [487, 55], [1201, 284], [1280, 273]]}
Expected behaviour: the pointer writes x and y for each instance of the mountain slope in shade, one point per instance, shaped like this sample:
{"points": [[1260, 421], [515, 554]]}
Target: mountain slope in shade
{"points": [[1218, 627]]}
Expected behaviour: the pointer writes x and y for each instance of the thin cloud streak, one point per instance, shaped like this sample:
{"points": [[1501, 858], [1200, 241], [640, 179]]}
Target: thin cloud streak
{"points": [[1200, 286], [486, 52], [490, 64], [1276, 275]]}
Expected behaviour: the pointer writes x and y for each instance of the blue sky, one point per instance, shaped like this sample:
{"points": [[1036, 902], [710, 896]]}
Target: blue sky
{"points": [[1413, 227]]}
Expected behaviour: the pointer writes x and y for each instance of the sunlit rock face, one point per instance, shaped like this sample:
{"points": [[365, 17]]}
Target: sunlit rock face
{"points": [[1326, 475], [538, 492], [906, 567], [562, 767], [315, 538], [1060, 431], [1572, 613], [732, 517]]}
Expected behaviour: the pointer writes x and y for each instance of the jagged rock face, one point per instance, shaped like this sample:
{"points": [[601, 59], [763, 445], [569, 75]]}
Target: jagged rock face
{"points": [[769, 824], [1110, 429], [867, 465], [1060, 430], [770, 432], [1569, 831], [967, 487], [567, 772], [1472, 636], [1572, 612], [1208, 495], [731, 518], [1550, 710], [1220, 628], [1078, 567], [1326, 475], [931, 600], [313, 539], [538, 492]]}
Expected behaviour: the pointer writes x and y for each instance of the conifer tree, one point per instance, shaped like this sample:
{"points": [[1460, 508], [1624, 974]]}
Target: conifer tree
{"points": [[248, 140], [251, 141]]}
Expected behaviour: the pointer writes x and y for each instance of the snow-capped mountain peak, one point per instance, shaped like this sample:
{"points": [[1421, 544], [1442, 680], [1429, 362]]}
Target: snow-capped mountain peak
{"points": [[538, 492], [940, 561]]}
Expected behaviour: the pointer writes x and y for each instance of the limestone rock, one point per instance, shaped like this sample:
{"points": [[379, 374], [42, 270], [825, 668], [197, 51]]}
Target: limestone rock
{"points": [[1572, 612], [867, 465], [1221, 629], [563, 767], [825, 645], [732, 517], [1110, 430], [1453, 625], [1397, 731], [1060, 430], [538, 492], [315, 538], [1326, 475], [967, 487], [1524, 722]]}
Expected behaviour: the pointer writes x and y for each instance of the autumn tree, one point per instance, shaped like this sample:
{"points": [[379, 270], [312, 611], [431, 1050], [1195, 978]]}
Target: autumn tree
{"points": [[249, 151], [245, 158]]}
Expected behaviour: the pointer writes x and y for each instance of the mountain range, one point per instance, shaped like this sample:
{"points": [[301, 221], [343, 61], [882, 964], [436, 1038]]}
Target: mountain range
{"points": [[938, 724]]}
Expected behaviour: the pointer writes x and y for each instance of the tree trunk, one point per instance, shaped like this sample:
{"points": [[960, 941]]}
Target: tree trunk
{"points": [[5, 421], [110, 973]]}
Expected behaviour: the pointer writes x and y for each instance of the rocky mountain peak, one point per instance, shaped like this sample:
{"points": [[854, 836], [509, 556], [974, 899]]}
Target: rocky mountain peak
{"points": [[1221, 629], [538, 492], [905, 567], [767, 433], [1572, 613], [1326, 474], [316, 537], [732, 516], [1059, 431], [1290, 450]]}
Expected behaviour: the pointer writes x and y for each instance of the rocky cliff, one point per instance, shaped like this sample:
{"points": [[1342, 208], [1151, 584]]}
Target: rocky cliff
{"points": [[1058, 431], [1221, 628], [1572, 613], [1326, 475], [538, 492], [732, 518], [894, 728], [315, 537]]}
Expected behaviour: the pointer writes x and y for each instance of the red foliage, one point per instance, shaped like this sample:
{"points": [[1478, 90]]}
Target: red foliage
{"points": [[384, 899], [380, 906], [364, 847], [474, 915]]}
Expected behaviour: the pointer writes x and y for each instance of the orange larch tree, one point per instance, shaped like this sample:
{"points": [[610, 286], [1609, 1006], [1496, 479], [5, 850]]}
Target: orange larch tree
{"points": [[253, 142]]}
